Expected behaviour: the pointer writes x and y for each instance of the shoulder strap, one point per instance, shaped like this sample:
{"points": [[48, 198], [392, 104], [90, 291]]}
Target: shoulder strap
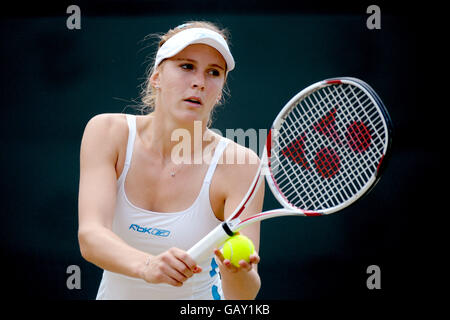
{"points": [[215, 159], [131, 120]]}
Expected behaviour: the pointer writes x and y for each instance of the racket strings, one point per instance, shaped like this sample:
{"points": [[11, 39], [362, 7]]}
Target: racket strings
{"points": [[319, 193], [350, 189], [345, 190], [307, 191], [328, 147]]}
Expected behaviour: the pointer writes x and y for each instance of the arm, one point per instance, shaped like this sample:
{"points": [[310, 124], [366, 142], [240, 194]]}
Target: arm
{"points": [[97, 199], [242, 283]]}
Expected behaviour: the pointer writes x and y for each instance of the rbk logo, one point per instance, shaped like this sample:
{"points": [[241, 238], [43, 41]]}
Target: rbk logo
{"points": [[150, 230]]}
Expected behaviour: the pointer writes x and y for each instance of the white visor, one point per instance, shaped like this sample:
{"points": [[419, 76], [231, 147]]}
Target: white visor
{"points": [[193, 36]]}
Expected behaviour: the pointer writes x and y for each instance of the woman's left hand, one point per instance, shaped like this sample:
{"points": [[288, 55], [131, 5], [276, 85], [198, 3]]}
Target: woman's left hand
{"points": [[244, 265]]}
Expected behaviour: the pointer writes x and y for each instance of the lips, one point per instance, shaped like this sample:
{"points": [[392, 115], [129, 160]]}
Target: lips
{"points": [[194, 100]]}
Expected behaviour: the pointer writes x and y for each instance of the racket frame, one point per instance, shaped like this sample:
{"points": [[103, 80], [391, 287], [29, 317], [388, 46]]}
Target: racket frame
{"points": [[387, 125], [217, 237]]}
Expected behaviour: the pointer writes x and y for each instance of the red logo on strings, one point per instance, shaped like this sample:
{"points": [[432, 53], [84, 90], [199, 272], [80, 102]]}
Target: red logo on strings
{"points": [[326, 160]]}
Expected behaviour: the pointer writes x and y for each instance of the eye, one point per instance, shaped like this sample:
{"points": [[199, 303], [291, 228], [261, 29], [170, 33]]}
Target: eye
{"points": [[214, 72], [187, 66]]}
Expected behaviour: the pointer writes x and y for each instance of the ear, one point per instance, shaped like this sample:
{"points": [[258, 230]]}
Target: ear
{"points": [[219, 97], [154, 79]]}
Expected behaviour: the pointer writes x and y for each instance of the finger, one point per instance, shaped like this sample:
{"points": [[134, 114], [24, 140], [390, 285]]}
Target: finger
{"points": [[254, 258], [182, 256], [229, 266], [197, 269], [174, 267], [164, 277], [219, 255], [182, 268], [173, 273], [173, 282], [226, 262], [245, 265]]}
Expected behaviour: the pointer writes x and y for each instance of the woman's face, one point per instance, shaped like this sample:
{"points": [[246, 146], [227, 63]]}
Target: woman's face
{"points": [[190, 83]]}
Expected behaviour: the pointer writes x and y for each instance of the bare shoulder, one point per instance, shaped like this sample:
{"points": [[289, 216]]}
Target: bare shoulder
{"points": [[107, 125], [105, 132], [239, 163]]}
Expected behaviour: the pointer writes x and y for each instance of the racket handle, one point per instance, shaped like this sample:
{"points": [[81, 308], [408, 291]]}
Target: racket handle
{"points": [[215, 239]]}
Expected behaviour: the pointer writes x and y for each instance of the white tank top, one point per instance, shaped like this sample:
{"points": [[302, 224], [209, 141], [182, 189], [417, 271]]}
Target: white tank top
{"points": [[156, 232]]}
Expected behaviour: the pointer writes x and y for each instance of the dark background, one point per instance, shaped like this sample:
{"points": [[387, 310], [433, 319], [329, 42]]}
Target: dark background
{"points": [[53, 80]]}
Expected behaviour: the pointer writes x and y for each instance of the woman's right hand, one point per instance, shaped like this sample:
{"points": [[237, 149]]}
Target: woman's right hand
{"points": [[173, 267]]}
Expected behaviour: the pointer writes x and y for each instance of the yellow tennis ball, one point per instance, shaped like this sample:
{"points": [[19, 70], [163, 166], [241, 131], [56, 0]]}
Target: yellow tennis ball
{"points": [[238, 248]]}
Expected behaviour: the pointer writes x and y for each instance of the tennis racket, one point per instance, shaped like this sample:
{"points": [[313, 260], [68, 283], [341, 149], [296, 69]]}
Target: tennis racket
{"points": [[326, 149]]}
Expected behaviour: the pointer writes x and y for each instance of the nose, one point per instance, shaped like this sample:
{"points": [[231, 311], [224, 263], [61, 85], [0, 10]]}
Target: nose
{"points": [[198, 81]]}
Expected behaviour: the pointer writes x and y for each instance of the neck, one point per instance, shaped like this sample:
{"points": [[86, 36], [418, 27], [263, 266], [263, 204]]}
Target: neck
{"points": [[175, 142]]}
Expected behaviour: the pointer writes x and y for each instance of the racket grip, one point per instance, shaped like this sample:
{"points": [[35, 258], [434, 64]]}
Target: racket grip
{"points": [[215, 239]]}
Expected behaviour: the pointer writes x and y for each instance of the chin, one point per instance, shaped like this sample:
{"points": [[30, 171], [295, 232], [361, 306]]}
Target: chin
{"points": [[189, 115], [188, 118]]}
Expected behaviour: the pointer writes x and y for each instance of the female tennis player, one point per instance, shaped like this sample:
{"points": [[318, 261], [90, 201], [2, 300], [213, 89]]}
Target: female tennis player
{"points": [[140, 209]]}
